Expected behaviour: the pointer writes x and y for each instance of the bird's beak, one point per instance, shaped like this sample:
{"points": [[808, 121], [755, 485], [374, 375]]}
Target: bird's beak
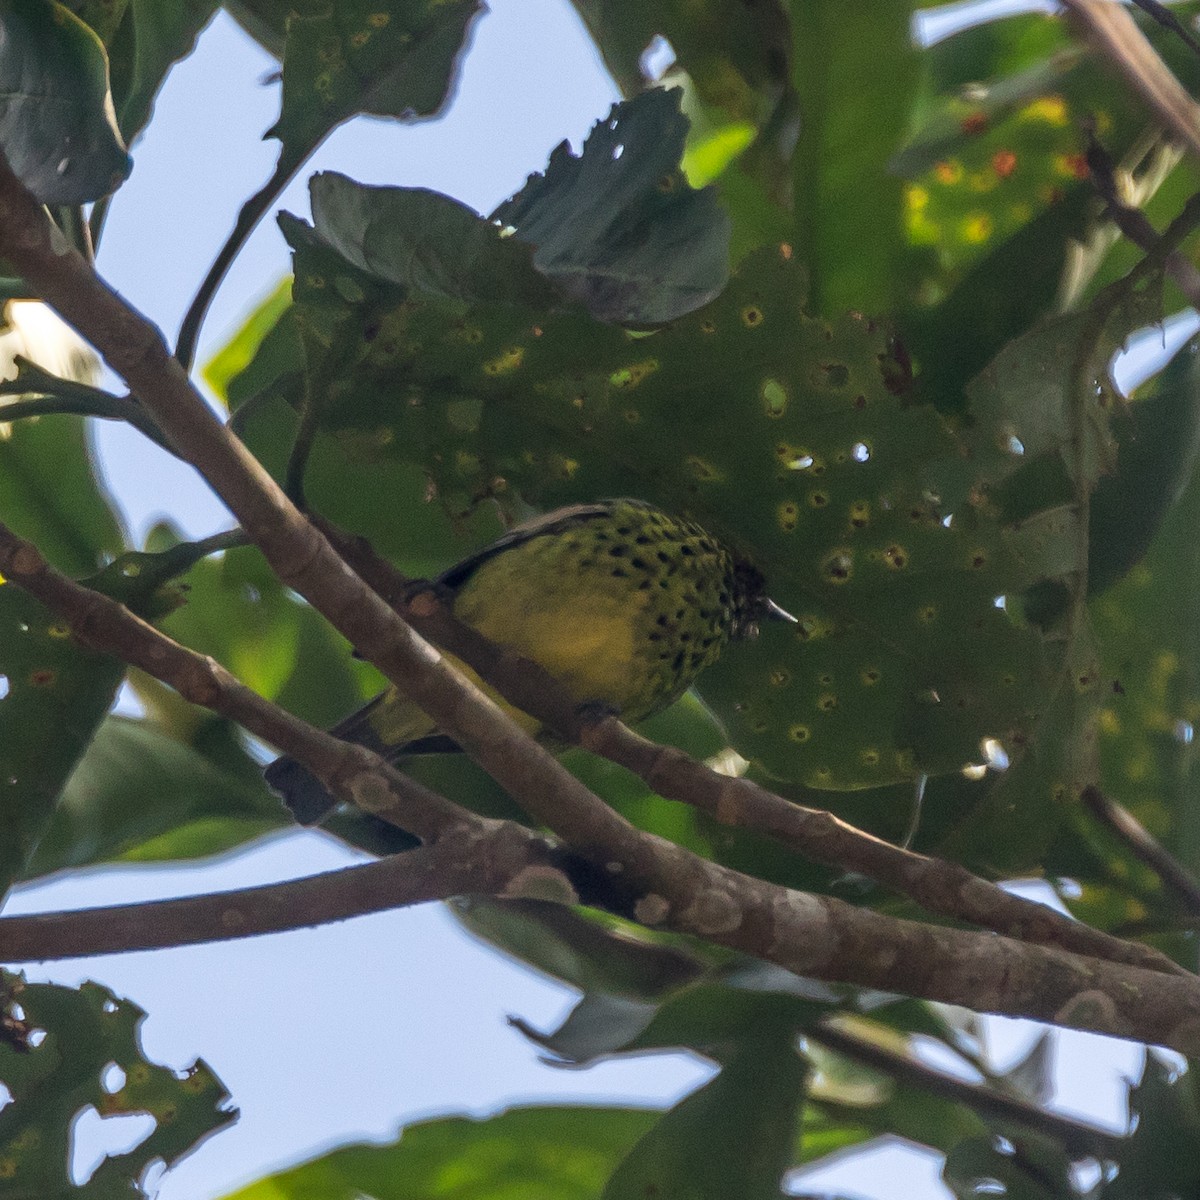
{"points": [[775, 613]]}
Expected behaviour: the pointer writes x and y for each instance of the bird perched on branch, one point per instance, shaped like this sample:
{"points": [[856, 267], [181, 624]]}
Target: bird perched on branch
{"points": [[622, 603]]}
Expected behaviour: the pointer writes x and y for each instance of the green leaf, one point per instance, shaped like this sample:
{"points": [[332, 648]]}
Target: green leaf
{"points": [[53, 695], [50, 495], [140, 795], [82, 1035], [56, 117], [733, 1137], [390, 59], [154, 36], [855, 69], [1157, 438], [238, 612], [1024, 1167], [786, 436], [578, 948], [245, 345], [424, 241], [733, 65], [709, 1014], [522, 1154], [1164, 1112], [619, 229]]}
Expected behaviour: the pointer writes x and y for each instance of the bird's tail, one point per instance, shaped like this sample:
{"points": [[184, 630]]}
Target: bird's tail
{"points": [[309, 799]]}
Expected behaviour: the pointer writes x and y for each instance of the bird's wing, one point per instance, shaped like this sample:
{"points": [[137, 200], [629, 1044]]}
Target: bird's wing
{"points": [[551, 522]]}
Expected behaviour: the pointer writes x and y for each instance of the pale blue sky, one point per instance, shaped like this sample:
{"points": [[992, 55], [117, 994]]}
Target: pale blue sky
{"points": [[345, 1032]]}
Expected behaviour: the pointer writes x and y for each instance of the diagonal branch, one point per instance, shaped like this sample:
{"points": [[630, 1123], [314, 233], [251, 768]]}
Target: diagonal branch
{"points": [[812, 935]]}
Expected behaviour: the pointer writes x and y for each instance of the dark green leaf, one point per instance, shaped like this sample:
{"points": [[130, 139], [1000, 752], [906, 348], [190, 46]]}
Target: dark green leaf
{"points": [[619, 229], [1156, 1162], [856, 70], [391, 59], [425, 242], [733, 1137], [49, 494], [789, 437], [155, 36], [1029, 1167], [57, 1059], [579, 949], [734, 65], [1157, 440], [138, 794], [56, 117]]}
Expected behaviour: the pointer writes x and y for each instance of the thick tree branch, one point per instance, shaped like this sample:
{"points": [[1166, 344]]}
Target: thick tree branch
{"points": [[940, 887], [1079, 1138]]}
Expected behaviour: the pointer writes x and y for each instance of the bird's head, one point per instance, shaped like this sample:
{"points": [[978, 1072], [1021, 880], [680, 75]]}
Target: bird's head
{"points": [[751, 604]]}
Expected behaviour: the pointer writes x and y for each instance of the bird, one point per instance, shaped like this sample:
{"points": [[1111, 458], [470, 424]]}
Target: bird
{"points": [[621, 602]]}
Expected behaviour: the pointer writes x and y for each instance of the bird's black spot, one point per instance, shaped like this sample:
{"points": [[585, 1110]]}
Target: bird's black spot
{"points": [[619, 573], [686, 551], [617, 551], [639, 564], [662, 619], [642, 540]]}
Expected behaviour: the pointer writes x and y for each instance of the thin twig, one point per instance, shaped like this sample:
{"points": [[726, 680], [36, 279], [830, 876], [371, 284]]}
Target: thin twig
{"points": [[1136, 226], [1145, 848], [249, 216], [1078, 1137], [485, 859], [119, 409], [1168, 20]]}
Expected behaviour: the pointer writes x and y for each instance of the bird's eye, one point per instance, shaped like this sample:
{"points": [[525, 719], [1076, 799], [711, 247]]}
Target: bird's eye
{"points": [[751, 631]]}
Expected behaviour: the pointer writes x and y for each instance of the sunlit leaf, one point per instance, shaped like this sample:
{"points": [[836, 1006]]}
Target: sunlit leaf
{"points": [[523, 1154]]}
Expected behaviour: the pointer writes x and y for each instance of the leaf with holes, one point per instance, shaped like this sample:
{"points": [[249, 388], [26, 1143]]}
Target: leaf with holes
{"points": [[791, 438], [619, 229], [68, 1051]]}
